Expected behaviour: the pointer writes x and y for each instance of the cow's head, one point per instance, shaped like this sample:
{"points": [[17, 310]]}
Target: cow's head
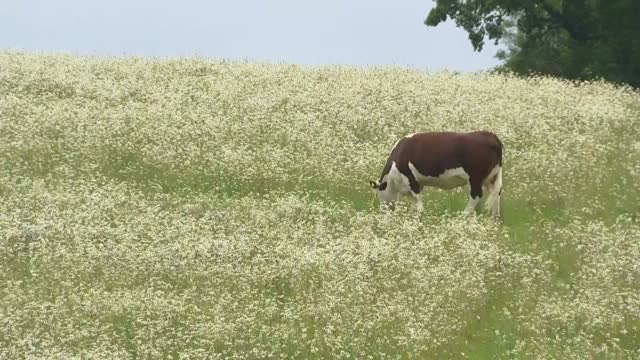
{"points": [[383, 191]]}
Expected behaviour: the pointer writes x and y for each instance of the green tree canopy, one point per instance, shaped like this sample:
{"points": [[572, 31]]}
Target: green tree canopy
{"points": [[576, 39]]}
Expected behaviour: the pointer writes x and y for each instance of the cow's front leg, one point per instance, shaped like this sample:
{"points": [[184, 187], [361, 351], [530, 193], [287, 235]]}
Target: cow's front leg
{"points": [[390, 199], [389, 205], [475, 194], [414, 190], [418, 201]]}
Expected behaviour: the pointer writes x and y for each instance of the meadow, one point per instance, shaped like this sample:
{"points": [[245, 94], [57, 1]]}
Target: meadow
{"points": [[192, 208]]}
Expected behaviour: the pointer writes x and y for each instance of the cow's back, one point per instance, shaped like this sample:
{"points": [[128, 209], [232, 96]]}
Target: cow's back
{"points": [[432, 153]]}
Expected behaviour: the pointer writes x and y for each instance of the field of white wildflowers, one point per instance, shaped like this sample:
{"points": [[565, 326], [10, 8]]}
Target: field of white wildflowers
{"points": [[190, 208]]}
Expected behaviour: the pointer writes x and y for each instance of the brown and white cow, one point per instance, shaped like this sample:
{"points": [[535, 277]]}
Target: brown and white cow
{"points": [[443, 160]]}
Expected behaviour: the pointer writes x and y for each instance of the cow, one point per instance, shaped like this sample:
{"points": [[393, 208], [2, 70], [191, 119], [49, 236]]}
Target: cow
{"points": [[444, 160]]}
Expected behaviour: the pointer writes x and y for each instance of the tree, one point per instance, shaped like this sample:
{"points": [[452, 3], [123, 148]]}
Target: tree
{"points": [[576, 39]]}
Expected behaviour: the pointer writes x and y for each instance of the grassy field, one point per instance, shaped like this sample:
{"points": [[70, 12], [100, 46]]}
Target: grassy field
{"points": [[200, 209]]}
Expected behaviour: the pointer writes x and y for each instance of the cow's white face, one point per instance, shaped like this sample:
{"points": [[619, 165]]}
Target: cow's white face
{"points": [[384, 192]]}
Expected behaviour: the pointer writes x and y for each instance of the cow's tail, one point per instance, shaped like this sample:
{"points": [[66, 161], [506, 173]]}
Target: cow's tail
{"points": [[497, 147], [495, 190]]}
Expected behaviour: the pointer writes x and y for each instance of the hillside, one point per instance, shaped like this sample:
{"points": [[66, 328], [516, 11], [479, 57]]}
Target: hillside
{"points": [[183, 207]]}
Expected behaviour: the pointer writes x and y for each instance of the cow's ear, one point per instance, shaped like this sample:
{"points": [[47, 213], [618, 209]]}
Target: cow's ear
{"points": [[373, 184]]}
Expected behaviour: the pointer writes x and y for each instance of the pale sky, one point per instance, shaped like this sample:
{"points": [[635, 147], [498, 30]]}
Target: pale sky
{"points": [[350, 32]]}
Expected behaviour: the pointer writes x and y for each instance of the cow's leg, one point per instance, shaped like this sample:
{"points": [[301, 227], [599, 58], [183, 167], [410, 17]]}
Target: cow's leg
{"points": [[411, 187], [392, 199], [471, 204], [475, 194], [494, 190], [418, 201], [498, 192], [414, 189], [493, 201], [496, 205], [486, 188]]}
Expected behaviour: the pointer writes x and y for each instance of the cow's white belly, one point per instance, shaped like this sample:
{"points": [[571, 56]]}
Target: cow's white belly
{"points": [[449, 179]]}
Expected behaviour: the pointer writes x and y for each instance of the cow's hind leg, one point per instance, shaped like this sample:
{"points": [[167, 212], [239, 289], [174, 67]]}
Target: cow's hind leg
{"points": [[494, 191], [495, 209], [475, 194]]}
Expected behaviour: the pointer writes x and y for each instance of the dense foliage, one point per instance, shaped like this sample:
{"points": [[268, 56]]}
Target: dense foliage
{"points": [[576, 39]]}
